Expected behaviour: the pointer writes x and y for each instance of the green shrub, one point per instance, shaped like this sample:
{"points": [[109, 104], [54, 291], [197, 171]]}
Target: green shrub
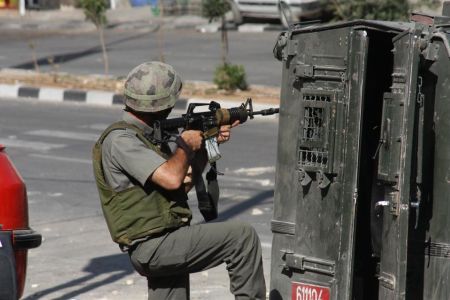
{"points": [[230, 77]]}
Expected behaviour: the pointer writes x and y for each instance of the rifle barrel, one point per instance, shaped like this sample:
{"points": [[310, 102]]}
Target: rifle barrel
{"points": [[267, 112]]}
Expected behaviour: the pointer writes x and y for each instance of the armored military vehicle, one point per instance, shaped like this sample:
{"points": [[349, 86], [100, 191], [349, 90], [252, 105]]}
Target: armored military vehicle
{"points": [[362, 196]]}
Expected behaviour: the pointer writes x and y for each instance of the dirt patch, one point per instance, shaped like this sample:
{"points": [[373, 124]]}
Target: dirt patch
{"points": [[191, 89]]}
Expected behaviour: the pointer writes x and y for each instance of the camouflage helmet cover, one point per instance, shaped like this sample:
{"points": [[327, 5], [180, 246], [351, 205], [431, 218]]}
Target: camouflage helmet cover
{"points": [[152, 87]]}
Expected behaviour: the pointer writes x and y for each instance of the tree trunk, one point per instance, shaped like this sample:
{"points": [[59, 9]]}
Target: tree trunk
{"points": [[34, 56], [161, 32], [102, 43], [224, 41]]}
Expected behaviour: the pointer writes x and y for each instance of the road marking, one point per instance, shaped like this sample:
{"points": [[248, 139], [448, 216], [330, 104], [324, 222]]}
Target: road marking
{"points": [[60, 158], [38, 146], [257, 212], [54, 195], [64, 134], [254, 171], [262, 182]]}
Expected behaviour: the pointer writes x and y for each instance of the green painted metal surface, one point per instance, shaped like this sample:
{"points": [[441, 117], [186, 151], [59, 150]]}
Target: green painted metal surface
{"points": [[363, 169]]}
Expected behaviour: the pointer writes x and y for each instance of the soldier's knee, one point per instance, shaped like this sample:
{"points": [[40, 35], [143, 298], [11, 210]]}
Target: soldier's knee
{"points": [[249, 230], [242, 234], [248, 234]]}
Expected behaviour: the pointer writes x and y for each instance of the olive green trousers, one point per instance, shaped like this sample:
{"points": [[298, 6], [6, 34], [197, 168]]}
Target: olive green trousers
{"points": [[167, 260]]}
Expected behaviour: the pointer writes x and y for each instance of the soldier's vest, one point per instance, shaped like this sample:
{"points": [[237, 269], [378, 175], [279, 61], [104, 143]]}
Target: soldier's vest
{"points": [[136, 212]]}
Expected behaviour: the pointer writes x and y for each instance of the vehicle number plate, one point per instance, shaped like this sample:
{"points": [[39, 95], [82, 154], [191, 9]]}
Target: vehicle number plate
{"points": [[303, 291]]}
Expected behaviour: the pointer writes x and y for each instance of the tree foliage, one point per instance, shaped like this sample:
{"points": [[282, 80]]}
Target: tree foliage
{"points": [[387, 10], [95, 11], [214, 9]]}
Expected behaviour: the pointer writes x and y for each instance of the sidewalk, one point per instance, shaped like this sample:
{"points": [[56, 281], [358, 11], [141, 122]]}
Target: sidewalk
{"points": [[72, 20]]}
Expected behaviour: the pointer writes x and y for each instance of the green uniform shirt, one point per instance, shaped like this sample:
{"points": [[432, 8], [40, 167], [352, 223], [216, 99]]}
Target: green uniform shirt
{"points": [[125, 158]]}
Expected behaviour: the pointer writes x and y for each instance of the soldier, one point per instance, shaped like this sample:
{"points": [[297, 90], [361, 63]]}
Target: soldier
{"points": [[143, 191]]}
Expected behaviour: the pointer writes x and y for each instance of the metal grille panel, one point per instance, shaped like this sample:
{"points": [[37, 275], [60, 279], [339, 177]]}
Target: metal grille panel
{"points": [[313, 158], [317, 97], [317, 127], [313, 123]]}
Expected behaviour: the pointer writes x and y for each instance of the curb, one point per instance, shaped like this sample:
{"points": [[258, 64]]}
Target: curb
{"points": [[49, 94], [96, 97]]}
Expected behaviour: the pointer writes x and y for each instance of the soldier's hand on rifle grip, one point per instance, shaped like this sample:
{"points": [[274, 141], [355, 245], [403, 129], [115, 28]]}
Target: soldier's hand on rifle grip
{"points": [[225, 132], [193, 138]]}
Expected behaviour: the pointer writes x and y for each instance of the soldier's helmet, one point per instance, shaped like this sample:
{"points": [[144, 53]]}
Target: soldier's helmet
{"points": [[152, 87]]}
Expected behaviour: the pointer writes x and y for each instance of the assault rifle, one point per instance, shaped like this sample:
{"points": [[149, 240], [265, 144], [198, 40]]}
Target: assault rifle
{"points": [[209, 122]]}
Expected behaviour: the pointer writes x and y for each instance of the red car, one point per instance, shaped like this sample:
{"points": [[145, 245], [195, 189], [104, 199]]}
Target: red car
{"points": [[16, 237]]}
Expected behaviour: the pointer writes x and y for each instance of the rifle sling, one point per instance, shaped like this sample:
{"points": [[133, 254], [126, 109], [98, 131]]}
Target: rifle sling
{"points": [[207, 199]]}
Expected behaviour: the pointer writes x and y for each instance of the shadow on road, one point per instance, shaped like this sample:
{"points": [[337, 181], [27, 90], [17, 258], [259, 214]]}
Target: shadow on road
{"points": [[117, 266], [67, 57], [244, 205]]}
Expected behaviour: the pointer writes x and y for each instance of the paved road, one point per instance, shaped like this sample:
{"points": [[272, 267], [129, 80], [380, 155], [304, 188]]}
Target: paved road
{"points": [[51, 145], [194, 54]]}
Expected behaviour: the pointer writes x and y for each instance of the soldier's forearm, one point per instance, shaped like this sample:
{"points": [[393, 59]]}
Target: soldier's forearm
{"points": [[170, 175]]}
